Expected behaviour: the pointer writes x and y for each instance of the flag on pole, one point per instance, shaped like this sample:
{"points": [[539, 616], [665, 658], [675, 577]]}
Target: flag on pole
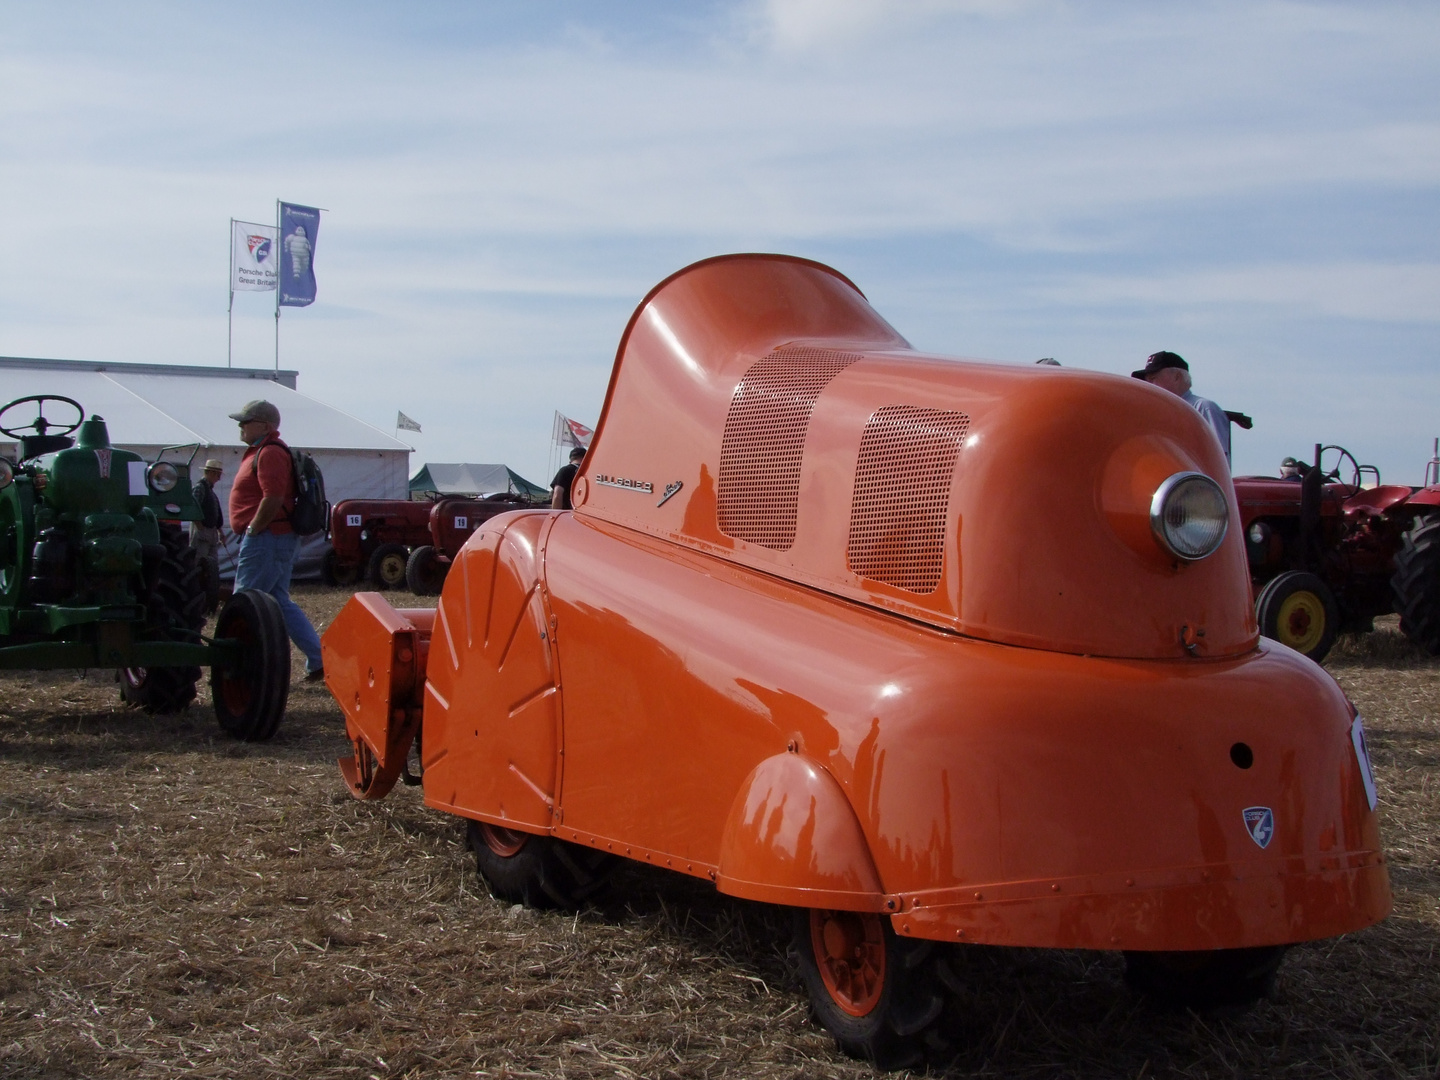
{"points": [[299, 228], [571, 432], [253, 262], [404, 423]]}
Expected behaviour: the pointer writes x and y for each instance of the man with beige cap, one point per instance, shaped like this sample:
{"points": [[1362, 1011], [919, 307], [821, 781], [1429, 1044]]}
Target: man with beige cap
{"points": [[262, 498], [205, 533]]}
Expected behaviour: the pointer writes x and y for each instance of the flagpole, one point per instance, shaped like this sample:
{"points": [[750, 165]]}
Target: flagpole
{"points": [[280, 273], [230, 329]]}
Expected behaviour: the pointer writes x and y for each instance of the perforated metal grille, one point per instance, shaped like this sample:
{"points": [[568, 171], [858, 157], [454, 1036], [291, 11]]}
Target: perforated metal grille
{"points": [[902, 494], [759, 483]]}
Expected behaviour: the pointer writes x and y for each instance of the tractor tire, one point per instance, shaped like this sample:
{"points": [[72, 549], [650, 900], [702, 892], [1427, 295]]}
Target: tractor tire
{"points": [[386, 569], [1299, 610], [210, 577], [175, 611], [879, 995], [335, 572], [425, 572], [250, 695], [537, 871], [1415, 586], [1205, 980]]}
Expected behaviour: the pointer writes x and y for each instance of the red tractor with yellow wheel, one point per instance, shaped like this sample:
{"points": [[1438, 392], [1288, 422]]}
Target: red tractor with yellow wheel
{"points": [[1328, 554], [935, 653]]}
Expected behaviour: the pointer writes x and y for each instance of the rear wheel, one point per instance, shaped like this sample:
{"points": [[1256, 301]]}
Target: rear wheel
{"points": [[1204, 980], [250, 693], [1415, 586], [335, 571], [874, 992], [175, 611], [538, 871], [386, 569], [1299, 610], [425, 572], [210, 580]]}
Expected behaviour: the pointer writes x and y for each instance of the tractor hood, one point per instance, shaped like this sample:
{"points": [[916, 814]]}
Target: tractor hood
{"points": [[760, 410]]}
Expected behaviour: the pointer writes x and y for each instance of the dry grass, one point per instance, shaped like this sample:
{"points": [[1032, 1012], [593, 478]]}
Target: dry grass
{"points": [[171, 901]]}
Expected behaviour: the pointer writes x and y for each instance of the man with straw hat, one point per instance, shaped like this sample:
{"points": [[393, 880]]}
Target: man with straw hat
{"points": [[205, 533]]}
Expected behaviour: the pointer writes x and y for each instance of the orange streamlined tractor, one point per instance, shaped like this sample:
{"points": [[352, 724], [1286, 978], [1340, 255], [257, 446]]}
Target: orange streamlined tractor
{"points": [[931, 652]]}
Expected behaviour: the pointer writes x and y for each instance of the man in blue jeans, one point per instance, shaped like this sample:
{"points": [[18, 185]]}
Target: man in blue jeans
{"points": [[262, 498]]}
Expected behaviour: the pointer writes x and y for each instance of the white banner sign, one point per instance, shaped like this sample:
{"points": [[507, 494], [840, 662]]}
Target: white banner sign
{"points": [[252, 257]]}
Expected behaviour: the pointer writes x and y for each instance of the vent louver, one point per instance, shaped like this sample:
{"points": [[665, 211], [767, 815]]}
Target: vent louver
{"points": [[758, 490], [902, 495]]}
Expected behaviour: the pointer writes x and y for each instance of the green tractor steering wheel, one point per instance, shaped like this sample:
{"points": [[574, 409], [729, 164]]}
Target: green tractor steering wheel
{"points": [[41, 426]]}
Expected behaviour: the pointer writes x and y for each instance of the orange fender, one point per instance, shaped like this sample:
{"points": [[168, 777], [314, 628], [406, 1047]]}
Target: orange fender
{"points": [[792, 838]]}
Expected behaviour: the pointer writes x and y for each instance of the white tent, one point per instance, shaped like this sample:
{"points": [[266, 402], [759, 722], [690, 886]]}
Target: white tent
{"points": [[148, 407]]}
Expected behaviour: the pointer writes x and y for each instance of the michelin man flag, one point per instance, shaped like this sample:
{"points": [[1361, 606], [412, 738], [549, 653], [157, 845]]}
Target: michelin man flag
{"points": [[253, 262], [299, 228]]}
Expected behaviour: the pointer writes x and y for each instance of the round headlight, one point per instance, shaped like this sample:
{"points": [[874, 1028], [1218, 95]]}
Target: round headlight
{"points": [[1188, 515], [6, 473], [163, 476]]}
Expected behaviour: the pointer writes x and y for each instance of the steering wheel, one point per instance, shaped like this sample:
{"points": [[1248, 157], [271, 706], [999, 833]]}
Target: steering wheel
{"points": [[1343, 456], [41, 426]]}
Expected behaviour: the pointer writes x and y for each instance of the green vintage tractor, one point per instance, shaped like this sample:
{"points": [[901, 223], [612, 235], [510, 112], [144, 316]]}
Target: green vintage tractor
{"points": [[96, 573]]}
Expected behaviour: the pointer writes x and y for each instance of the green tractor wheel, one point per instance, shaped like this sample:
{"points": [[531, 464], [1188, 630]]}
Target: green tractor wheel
{"points": [[175, 611], [250, 694]]}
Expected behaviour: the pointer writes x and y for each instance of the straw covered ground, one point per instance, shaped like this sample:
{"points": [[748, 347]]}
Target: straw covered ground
{"points": [[174, 902]]}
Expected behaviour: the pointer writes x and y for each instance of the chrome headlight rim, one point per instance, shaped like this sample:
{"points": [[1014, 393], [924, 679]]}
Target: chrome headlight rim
{"points": [[162, 477], [1161, 501]]}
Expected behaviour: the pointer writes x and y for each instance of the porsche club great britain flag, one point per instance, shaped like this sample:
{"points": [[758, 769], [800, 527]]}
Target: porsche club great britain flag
{"points": [[299, 228], [252, 257]]}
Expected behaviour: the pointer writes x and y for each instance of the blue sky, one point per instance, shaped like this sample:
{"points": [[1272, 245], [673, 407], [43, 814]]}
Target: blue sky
{"points": [[1253, 185]]}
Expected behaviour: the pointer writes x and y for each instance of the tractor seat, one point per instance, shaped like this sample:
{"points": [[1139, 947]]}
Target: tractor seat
{"points": [[35, 445]]}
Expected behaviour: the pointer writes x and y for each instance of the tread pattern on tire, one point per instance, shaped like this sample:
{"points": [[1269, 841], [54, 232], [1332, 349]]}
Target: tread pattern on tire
{"points": [[175, 611], [1415, 585], [268, 668], [424, 572], [544, 873], [1217, 979], [909, 1025]]}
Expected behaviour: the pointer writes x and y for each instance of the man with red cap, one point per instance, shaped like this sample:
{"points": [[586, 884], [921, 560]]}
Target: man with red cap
{"points": [[1169, 371]]}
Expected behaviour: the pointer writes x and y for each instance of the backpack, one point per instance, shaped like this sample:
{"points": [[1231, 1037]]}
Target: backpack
{"points": [[311, 513]]}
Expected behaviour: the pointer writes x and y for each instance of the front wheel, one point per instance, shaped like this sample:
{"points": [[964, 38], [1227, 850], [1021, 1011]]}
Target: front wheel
{"points": [[386, 569], [175, 611], [1299, 610], [1205, 980], [425, 572], [251, 690], [874, 992], [537, 871]]}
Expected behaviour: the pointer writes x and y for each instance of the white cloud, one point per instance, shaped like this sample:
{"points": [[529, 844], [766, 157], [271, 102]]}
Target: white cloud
{"points": [[494, 206]]}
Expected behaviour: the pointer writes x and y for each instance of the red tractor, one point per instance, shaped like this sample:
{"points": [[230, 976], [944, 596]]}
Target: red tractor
{"points": [[1327, 555], [372, 538], [452, 520]]}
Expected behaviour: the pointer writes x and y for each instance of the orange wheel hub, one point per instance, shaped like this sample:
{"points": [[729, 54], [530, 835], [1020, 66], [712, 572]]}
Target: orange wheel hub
{"points": [[850, 954], [503, 842]]}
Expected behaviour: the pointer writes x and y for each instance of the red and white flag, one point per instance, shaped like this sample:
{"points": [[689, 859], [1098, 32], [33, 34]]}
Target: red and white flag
{"points": [[571, 432], [253, 266]]}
